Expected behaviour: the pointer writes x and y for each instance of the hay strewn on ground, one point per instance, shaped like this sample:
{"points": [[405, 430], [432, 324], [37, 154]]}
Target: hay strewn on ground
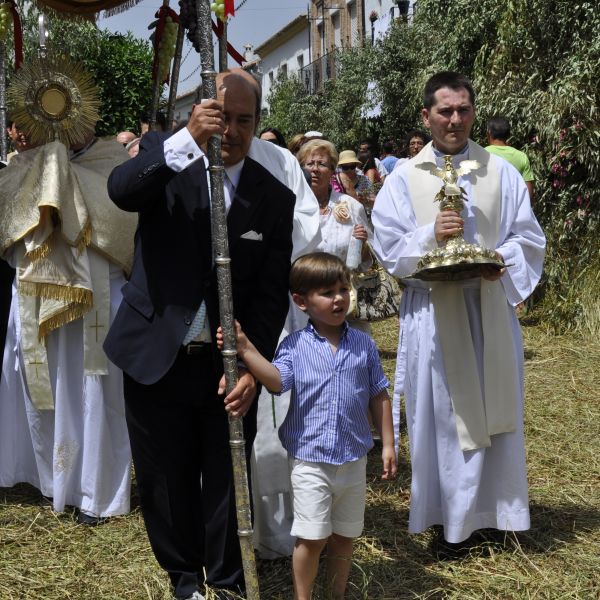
{"points": [[47, 556]]}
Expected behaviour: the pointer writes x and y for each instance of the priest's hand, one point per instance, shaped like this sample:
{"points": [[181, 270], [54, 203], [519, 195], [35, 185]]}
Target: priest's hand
{"points": [[491, 273], [447, 223], [239, 401], [206, 119]]}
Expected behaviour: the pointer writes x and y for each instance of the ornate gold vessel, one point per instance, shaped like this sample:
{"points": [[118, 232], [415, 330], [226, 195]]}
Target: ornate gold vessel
{"points": [[457, 259]]}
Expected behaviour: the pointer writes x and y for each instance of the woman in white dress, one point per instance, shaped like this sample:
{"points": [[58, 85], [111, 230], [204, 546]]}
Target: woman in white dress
{"points": [[343, 219]]}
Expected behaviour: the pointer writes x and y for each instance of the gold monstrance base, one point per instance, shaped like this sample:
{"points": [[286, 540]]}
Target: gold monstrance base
{"points": [[457, 259]]}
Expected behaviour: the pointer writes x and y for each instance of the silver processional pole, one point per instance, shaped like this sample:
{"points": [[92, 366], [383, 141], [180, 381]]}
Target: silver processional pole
{"points": [[222, 260]]}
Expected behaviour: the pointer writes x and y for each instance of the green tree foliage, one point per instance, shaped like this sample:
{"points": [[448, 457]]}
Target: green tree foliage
{"points": [[292, 109], [533, 61], [120, 64]]}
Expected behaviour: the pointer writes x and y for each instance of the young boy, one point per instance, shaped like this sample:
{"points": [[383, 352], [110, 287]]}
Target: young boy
{"points": [[335, 376]]}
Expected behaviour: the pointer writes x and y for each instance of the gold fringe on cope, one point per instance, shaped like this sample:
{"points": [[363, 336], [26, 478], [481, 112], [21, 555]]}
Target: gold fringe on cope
{"points": [[57, 292], [85, 238], [87, 8], [71, 314], [40, 252], [121, 8]]}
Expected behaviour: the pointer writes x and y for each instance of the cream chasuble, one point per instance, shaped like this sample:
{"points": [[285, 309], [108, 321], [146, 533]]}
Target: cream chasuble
{"points": [[483, 408]]}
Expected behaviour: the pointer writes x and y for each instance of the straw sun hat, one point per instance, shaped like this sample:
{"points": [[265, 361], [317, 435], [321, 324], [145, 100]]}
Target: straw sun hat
{"points": [[348, 157]]}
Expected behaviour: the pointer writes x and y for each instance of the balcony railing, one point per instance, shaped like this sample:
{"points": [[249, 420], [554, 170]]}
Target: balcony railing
{"points": [[317, 72]]}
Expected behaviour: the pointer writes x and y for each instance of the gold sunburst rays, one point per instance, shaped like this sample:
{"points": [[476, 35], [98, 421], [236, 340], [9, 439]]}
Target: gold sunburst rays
{"points": [[54, 98]]}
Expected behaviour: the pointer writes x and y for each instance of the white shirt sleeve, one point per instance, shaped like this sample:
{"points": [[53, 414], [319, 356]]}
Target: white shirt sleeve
{"points": [[181, 150]]}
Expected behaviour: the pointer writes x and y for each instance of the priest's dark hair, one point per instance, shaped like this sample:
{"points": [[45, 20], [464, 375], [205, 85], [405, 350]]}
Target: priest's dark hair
{"points": [[446, 79]]}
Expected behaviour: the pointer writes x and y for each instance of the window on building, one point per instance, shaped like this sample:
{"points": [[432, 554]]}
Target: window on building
{"points": [[271, 78], [337, 30], [300, 59], [354, 40], [283, 70]]}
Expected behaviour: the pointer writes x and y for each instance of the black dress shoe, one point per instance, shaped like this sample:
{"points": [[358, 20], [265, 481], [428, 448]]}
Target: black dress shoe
{"points": [[444, 550], [89, 520]]}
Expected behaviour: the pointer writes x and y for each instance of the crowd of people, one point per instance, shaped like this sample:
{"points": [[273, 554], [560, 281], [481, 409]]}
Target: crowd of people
{"points": [[125, 367]]}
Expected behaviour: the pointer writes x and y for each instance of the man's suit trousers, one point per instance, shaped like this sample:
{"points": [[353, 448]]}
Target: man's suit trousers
{"points": [[180, 445]]}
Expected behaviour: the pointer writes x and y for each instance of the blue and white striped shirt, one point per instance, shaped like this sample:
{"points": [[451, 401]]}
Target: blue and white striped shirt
{"points": [[327, 419]]}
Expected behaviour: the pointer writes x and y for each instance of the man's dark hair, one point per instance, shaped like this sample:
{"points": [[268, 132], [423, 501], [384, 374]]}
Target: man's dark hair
{"points": [[499, 128], [161, 120], [446, 79], [315, 271], [370, 143], [417, 133], [389, 147]]}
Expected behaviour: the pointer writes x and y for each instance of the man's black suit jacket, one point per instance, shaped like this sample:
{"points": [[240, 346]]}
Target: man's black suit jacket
{"points": [[173, 267]]}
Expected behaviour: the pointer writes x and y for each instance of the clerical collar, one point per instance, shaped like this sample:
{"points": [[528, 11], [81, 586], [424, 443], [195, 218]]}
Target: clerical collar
{"points": [[439, 153], [234, 172], [456, 158]]}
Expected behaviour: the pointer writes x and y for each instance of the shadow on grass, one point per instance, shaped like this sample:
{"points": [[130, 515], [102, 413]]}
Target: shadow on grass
{"points": [[553, 526], [24, 494]]}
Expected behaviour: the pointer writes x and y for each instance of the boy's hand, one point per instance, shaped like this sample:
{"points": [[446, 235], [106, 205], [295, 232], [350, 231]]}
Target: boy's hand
{"points": [[240, 338], [388, 456], [240, 399]]}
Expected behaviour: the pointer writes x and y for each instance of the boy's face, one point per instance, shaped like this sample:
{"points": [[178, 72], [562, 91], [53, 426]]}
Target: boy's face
{"points": [[326, 306]]}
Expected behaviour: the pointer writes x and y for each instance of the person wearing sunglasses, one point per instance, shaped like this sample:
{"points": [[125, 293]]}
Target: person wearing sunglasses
{"points": [[348, 179]]}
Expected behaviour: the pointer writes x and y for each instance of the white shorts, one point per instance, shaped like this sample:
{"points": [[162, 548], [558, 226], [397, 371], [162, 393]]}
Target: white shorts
{"points": [[328, 498]]}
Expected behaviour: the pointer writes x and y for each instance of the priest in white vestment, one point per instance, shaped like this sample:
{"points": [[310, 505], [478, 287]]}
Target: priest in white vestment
{"points": [[62, 422], [460, 353], [273, 512]]}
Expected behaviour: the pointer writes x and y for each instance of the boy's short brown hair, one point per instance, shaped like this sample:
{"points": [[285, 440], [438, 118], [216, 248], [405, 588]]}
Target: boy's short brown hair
{"points": [[315, 271]]}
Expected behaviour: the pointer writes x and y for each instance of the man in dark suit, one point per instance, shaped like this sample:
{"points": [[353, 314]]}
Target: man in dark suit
{"points": [[163, 334]]}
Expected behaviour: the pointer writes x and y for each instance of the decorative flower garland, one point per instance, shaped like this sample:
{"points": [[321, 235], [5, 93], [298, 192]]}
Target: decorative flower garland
{"points": [[164, 40]]}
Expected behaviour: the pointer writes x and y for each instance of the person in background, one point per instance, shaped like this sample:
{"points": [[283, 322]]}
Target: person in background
{"points": [[388, 155], [369, 168], [160, 125], [369, 145], [18, 139], [124, 137], [498, 132], [341, 216], [314, 135], [7, 273], [414, 142], [348, 180], [296, 143], [133, 147], [270, 134]]}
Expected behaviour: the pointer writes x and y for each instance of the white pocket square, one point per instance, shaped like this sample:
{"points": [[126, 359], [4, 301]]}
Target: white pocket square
{"points": [[252, 235]]}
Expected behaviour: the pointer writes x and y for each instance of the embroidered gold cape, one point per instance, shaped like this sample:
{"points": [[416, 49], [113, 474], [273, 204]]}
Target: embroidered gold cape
{"points": [[52, 209]]}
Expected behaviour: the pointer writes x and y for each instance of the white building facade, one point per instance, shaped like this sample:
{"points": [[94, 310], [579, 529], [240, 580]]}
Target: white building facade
{"points": [[283, 54]]}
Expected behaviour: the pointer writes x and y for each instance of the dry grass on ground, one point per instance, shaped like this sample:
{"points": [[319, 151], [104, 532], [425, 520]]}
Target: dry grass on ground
{"points": [[47, 556]]}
